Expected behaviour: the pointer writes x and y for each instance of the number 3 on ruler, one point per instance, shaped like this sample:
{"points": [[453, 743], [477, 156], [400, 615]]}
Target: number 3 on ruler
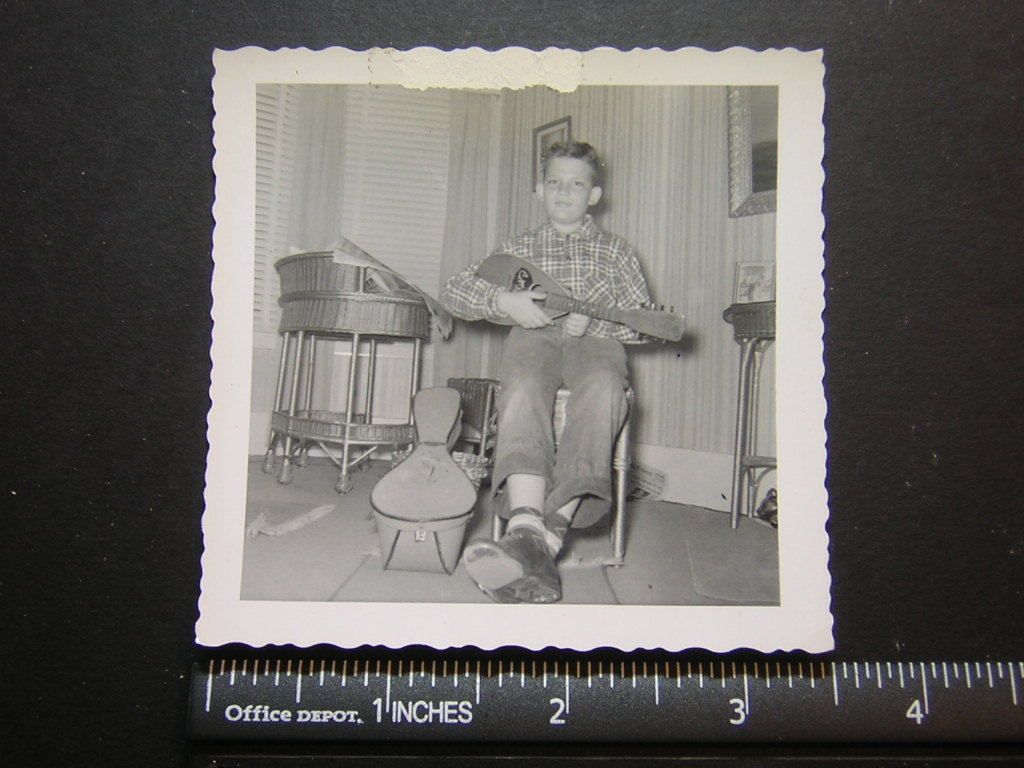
{"points": [[557, 719], [914, 712], [741, 712]]}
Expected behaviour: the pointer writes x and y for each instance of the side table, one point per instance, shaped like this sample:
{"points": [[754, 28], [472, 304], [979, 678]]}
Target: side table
{"points": [[323, 300], [754, 330]]}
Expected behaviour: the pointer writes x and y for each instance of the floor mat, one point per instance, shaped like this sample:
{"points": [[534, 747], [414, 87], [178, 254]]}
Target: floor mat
{"points": [[740, 566]]}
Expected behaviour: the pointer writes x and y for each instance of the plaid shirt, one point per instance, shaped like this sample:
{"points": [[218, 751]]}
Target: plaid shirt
{"points": [[589, 264]]}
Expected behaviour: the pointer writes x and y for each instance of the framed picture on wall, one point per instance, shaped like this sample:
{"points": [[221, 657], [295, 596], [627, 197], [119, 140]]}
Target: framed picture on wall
{"points": [[755, 281], [543, 137]]}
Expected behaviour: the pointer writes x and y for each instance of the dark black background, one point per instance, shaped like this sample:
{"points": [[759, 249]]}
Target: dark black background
{"points": [[107, 187]]}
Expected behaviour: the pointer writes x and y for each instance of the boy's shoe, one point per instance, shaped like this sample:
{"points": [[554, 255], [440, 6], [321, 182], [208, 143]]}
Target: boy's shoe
{"points": [[517, 569]]}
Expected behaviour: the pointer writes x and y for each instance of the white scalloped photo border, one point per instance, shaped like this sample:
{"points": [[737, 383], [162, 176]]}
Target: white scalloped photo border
{"points": [[802, 620]]}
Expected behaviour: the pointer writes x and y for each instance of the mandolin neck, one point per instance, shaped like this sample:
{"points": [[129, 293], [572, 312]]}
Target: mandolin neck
{"points": [[598, 311]]}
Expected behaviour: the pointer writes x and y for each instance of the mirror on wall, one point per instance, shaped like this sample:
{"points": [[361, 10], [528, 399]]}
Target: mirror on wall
{"points": [[753, 149]]}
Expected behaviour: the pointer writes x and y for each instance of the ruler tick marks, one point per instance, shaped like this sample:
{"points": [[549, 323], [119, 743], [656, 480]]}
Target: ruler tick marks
{"points": [[722, 669], [544, 669], [657, 692], [366, 675], [746, 690], [867, 670], [789, 670], [567, 688], [223, 665], [344, 672], [288, 669], [679, 676], [277, 673], [634, 674], [935, 674], [334, 668], [856, 675], [700, 673], [323, 666], [209, 686], [399, 668], [501, 671], [611, 674], [377, 672], [988, 667], [455, 675], [522, 674], [812, 673], [387, 687], [298, 685], [967, 673], [589, 677], [945, 675], [533, 669], [999, 669], [800, 669], [433, 673], [835, 684], [767, 674], [1013, 687], [231, 678], [913, 674], [956, 671], [924, 687], [899, 667], [888, 669], [878, 674], [977, 669], [845, 674], [412, 671], [245, 667]]}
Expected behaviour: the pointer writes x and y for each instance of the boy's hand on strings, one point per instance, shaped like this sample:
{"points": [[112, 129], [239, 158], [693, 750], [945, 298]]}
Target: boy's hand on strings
{"points": [[576, 324], [521, 306]]}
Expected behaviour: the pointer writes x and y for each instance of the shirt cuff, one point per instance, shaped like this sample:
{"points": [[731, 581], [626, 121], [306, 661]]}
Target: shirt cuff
{"points": [[491, 300]]}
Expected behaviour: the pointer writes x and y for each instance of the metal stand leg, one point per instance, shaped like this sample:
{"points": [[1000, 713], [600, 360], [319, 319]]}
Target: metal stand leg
{"points": [[307, 394], [344, 484], [268, 459], [742, 412], [286, 470]]}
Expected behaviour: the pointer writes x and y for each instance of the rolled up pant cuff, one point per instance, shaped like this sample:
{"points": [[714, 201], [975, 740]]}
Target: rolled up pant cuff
{"points": [[578, 487]]}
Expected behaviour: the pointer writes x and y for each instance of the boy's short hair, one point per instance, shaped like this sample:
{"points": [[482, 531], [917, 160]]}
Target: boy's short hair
{"points": [[578, 150]]}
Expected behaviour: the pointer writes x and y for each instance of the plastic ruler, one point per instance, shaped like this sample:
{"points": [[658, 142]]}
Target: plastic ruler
{"points": [[578, 699]]}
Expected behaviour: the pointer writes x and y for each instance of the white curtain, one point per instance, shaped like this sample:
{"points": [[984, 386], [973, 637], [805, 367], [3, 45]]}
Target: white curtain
{"points": [[473, 350], [315, 219]]}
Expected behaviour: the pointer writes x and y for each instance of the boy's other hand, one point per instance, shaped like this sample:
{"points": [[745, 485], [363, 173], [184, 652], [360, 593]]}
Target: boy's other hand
{"points": [[576, 325], [522, 308]]}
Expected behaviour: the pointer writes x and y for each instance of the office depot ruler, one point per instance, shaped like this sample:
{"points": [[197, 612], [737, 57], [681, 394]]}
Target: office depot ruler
{"points": [[576, 699]]}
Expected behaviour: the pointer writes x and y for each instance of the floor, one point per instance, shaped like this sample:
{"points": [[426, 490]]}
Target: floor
{"points": [[306, 542]]}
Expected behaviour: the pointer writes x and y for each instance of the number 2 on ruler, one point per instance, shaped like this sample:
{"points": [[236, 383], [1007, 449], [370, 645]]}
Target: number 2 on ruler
{"points": [[557, 719]]}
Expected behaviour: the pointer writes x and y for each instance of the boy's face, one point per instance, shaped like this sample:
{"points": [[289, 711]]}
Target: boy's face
{"points": [[567, 192]]}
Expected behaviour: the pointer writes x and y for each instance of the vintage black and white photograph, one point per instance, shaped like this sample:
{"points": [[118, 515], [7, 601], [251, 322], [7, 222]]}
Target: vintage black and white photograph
{"points": [[507, 363]]}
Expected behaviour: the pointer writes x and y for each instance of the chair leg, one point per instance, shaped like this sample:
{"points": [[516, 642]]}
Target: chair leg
{"points": [[620, 465]]}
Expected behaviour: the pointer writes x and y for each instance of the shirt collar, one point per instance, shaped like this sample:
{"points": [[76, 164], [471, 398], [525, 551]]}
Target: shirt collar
{"points": [[588, 229]]}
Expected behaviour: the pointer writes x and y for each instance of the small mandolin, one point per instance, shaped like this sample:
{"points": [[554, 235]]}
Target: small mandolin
{"points": [[515, 274]]}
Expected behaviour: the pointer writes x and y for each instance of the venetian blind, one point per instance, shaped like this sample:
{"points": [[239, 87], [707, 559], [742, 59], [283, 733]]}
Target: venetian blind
{"points": [[277, 128], [395, 177]]}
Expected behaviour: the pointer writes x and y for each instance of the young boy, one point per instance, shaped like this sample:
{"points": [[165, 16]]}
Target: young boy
{"points": [[546, 495]]}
